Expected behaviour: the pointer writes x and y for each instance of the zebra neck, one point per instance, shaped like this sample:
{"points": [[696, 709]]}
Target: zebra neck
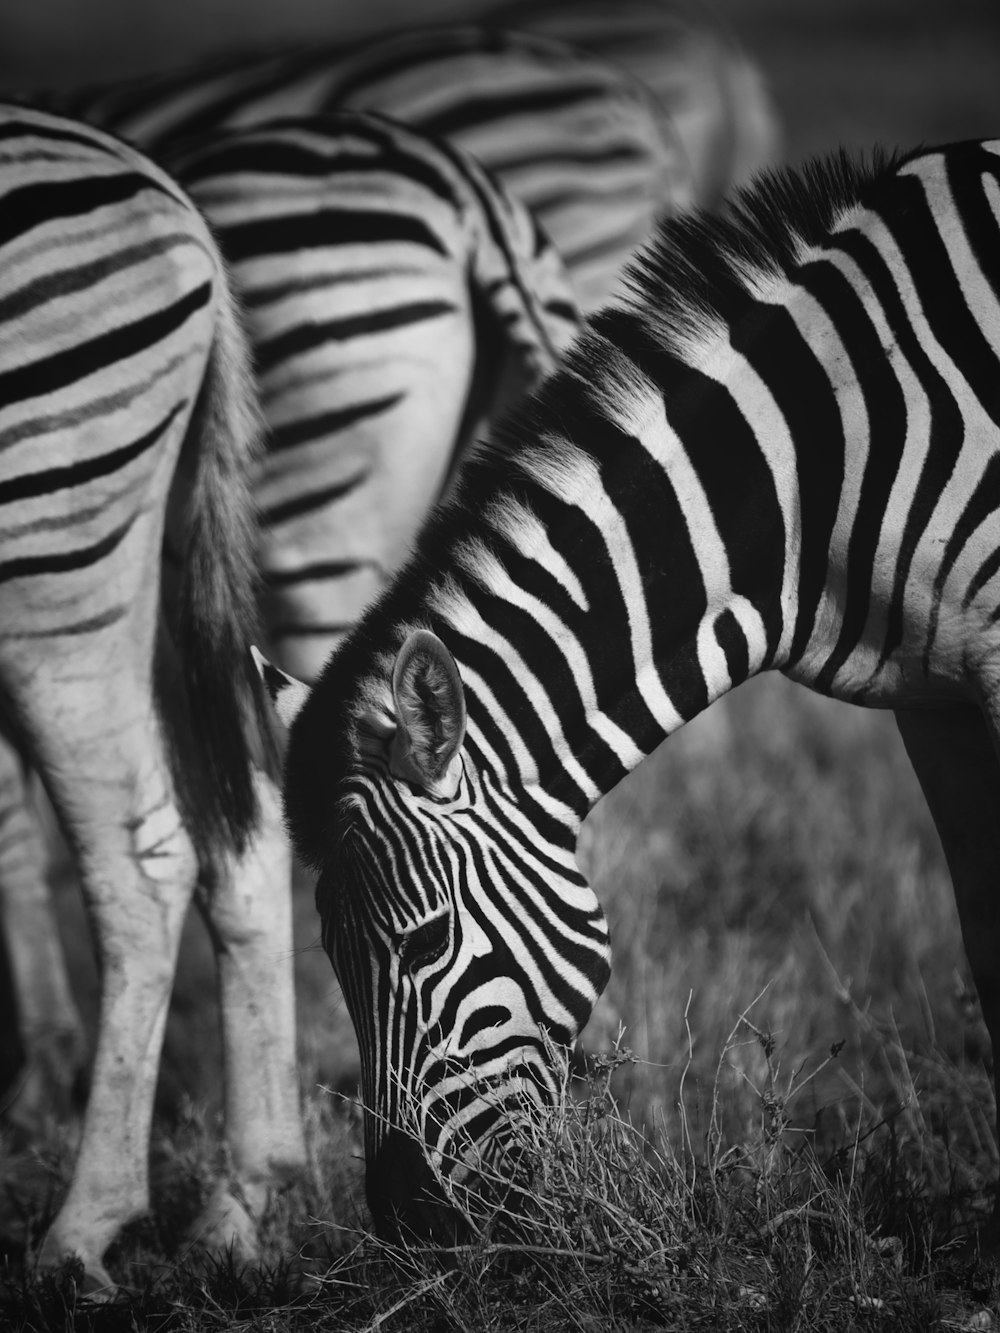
{"points": [[593, 606]]}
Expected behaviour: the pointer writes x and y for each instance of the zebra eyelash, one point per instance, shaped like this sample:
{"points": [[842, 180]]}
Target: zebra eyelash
{"points": [[425, 943]]}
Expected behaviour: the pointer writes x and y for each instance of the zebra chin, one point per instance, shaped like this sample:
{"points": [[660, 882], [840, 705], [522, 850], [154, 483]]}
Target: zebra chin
{"points": [[411, 1202], [406, 1197], [468, 1164]]}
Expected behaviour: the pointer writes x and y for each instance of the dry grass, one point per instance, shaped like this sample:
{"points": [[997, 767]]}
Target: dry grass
{"points": [[607, 1228]]}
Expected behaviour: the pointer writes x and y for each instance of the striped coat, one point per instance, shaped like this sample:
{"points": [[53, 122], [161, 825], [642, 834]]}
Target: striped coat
{"points": [[122, 367], [396, 299], [593, 153], [778, 449]]}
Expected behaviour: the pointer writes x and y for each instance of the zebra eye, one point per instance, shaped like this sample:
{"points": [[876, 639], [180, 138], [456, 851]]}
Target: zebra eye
{"points": [[425, 944]]}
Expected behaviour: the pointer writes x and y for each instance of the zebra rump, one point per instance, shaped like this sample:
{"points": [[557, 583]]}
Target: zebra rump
{"points": [[395, 297]]}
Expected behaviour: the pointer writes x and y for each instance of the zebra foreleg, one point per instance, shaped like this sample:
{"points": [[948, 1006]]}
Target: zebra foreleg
{"points": [[956, 759], [249, 916], [46, 1018]]}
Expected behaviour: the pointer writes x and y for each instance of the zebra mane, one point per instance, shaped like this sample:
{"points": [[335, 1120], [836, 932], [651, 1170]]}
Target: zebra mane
{"points": [[695, 274], [696, 271]]}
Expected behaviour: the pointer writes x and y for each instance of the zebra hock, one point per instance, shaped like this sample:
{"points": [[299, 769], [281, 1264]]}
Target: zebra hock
{"points": [[122, 368], [779, 449]]}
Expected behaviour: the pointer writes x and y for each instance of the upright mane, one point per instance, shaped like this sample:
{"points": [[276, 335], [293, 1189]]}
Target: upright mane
{"points": [[697, 270]]}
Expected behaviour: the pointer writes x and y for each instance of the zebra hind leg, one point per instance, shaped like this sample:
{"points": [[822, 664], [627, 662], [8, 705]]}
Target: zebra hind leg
{"points": [[97, 740], [955, 754], [46, 1081], [248, 912]]}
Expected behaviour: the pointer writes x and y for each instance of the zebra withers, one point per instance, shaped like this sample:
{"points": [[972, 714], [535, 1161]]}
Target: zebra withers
{"points": [[779, 449], [591, 152], [122, 364], [396, 298]]}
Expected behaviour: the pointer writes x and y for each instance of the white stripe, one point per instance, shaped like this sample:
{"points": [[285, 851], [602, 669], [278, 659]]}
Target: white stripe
{"points": [[574, 477], [460, 612], [484, 566], [528, 535]]}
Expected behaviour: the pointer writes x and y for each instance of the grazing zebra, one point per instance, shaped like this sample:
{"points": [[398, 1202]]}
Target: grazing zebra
{"points": [[779, 448], [592, 154], [121, 366], [395, 297]]}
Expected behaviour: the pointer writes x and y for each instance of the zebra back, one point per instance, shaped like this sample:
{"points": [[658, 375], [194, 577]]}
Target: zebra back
{"points": [[581, 144]]}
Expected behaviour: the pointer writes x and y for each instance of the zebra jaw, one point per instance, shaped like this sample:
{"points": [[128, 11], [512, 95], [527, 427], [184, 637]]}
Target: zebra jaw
{"points": [[287, 694]]}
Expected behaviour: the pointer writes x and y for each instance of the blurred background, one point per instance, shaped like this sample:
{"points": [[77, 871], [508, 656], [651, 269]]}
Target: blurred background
{"points": [[777, 852]]}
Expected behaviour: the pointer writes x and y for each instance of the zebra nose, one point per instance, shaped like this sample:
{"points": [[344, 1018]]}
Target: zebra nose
{"points": [[405, 1199]]}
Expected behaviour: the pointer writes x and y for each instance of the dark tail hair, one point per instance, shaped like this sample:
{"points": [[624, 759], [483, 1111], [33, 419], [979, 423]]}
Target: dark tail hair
{"points": [[215, 616]]}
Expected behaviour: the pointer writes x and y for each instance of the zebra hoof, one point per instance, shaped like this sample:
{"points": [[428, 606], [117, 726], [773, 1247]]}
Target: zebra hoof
{"points": [[225, 1226], [98, 1286], [79, 1275]]}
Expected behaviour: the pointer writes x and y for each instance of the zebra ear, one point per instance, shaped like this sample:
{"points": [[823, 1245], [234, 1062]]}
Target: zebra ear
{"points": [[430, 711], [287, 694]]}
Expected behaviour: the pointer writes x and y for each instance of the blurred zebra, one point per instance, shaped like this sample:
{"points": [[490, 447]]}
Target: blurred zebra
{"points": [[395, 299], [713, 94], [122, 366], [780, 448], [592, 154]]}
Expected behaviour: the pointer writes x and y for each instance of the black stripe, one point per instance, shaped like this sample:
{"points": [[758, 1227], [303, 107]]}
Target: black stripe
{"points": [[65, 282], [34, 205], [64, 562], [489, 1016], [528, 157], [321, 147], [308, 429], [306, 337], [77, 474], [731, 639], [492, 107], [325, 228], [554, 676], [89, 626], [255, 298], [305, 504], [887, 414], [362, 85], [242, 87], [488, 201], [77, 361], [983, 575], [807, 397], [326, 569], [60, 132], [984, 501]]}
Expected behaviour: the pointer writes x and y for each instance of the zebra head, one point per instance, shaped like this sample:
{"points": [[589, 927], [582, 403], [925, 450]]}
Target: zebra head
{"points": [[469, 947]]}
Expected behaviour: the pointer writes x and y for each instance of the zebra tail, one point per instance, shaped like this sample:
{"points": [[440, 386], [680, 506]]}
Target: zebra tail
{"points": [[216, 616]]}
